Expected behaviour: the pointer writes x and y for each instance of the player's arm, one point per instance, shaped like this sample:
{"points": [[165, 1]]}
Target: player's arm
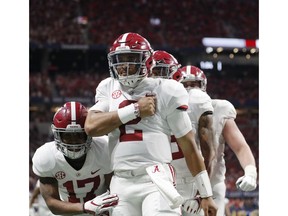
{"points": [[34, 195], [236, 141], [100, 123], [206, 138], [108, 179], [180, 124], [49, 191]]}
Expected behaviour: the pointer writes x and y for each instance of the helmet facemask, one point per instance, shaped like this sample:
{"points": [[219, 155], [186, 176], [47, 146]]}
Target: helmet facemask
{"points": [[72, 141], [128, 66]]}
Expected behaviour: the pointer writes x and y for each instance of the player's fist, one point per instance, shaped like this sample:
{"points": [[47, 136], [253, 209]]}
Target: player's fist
{"points": [[248, 181], [192, 206], [147, 106], [101, 203]]}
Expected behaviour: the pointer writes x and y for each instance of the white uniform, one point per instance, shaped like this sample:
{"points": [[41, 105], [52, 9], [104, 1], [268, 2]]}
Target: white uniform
{"points": [[75, 185], [142, 142], [223, 110], [199, 103]]}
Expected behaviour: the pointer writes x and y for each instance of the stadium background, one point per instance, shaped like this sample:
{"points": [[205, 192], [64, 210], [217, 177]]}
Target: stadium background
{"points": [[68, 58]]}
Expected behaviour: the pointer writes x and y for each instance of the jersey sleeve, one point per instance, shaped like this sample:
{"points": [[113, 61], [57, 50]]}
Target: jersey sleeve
{"points": [[43, 162], [175, 98], [199, 103], [229, 110], [101, 97], [104, 154]]}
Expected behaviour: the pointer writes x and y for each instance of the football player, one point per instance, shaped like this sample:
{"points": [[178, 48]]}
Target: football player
{"points": [[162, 64], [139, 113], [225, 131], [74, 169]]}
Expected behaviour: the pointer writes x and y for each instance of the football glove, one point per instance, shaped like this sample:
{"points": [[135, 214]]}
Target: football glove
{"points": [[248, 181], [101, 203], [193, 205]]}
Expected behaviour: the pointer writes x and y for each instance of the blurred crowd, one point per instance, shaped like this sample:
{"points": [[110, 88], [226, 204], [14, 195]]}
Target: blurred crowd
{"points": [[171, 23]]}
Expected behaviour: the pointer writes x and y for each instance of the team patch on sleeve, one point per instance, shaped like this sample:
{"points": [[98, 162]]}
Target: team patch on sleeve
{"points": [[183, 107]]}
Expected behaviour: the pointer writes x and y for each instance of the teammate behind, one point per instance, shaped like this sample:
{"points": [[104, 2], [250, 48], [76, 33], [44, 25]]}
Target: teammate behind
{"points": [[226, 131], [74, 169]]}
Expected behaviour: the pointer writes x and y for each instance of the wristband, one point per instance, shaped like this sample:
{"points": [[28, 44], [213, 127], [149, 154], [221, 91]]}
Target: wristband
{"points": [[136, 110], [250, 170], [203, 184], [128, 113]]}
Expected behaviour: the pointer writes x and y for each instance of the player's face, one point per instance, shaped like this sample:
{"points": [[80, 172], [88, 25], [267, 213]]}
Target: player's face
{"points": [[127, 64], [191, 84], [159, 72], [74, 138]]}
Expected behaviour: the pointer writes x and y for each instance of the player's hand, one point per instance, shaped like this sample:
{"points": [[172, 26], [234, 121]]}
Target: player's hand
{"points": [[248, 181], [209, 207], [147, 106], [101, 203], [192, 206]]}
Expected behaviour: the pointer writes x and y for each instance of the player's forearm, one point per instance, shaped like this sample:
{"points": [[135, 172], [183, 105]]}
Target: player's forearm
{"points": [[245, 156], [99, 123], [59, 207]]}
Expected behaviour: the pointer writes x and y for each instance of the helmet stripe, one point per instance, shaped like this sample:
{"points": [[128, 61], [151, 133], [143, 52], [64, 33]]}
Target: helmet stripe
{"points": [[188, 69], [123, 40], [73, 112]]}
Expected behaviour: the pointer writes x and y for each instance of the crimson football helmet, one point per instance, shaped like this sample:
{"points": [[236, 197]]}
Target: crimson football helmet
{"points": [[127, 58], [68, 130], [162, 64], [192, 74]]}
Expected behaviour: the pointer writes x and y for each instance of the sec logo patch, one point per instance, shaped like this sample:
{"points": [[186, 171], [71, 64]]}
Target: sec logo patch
{"points": [[116, 94], [60, 175]]}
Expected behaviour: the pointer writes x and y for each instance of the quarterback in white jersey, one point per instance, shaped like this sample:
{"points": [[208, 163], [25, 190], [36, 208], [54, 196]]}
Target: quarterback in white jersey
{"points": [[74, 169], [139, 113]]}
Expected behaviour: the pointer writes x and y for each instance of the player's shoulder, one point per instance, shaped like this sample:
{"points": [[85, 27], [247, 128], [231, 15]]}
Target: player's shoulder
{"points": [[105, 82], [99, 144], [221, 103], [225, 106], [170, 86], [100, 140], [44, 157], [198, 95]]}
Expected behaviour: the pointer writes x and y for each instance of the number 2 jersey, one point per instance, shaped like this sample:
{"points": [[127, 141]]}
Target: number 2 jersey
{"points": [[75, 185], [143, 142]]}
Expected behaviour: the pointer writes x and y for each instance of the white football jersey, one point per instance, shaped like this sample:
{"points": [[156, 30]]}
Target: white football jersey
{"points": [[223, 110], [199, 103], [75, 185], [142, 142]]}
